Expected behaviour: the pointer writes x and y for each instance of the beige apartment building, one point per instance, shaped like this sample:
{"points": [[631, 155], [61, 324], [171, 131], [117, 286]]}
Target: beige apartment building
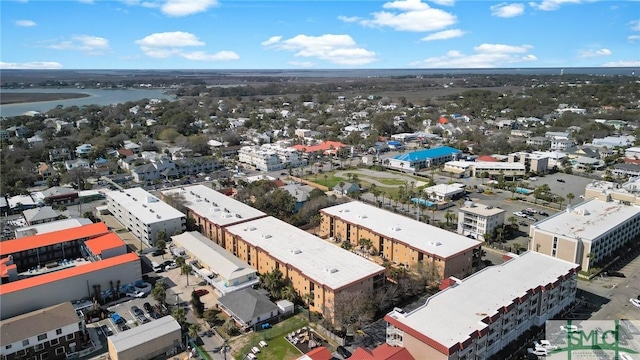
{"points": [[399, 239], [475, 220], [587, 233], [315, 267], [477, 317], [628, 192]]}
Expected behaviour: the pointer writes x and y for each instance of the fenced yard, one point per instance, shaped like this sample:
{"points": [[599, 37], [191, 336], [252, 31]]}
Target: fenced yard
{"points": [[278, 347]]}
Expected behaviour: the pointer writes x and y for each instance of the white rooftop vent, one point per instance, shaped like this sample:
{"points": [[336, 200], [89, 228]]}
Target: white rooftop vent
{"points": [[144, 206], [214, 209], [295, 251], [266, 236], [158, 216], [435, 243], [344, 210], [253, 228], [226, 215], [362, 216], [395, 228], [331, 270], [151, 199]]}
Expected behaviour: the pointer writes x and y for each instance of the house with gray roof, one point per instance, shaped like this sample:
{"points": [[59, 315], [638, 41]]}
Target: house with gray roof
{"points": [[40, 215], [248, 307]]}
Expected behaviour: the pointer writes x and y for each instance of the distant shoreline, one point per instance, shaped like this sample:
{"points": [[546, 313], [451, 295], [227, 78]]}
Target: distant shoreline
{"points": [[24, 98]]}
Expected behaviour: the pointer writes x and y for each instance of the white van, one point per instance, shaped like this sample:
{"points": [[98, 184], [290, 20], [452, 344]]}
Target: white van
{"points": [[156, 267]]}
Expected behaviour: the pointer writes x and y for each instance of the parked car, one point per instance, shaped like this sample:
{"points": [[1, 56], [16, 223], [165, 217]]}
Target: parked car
{"points": [[136, 294], [147, 307], [560, 180], [202, 292], [544, 344], [537, 351], [117, 319], [343, 352], [158, 252], [543, 213], [136, 311], [171, 265], [635, 302], [614, 274], [522, 223]]}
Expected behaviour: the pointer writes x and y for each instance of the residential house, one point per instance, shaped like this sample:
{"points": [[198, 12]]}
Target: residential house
{"points": [[130, 145], [46, 171], [77, 164], [58, 195], [84, 150], [40, 215], [59, 154], [248, 308], [35, 141], [539, 142], [63, 125], [626, 170], [562, 144], [346, 189], [615, 141]]}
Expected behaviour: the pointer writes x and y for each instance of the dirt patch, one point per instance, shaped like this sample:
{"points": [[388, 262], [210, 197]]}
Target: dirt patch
{"points": [[19, 98]]}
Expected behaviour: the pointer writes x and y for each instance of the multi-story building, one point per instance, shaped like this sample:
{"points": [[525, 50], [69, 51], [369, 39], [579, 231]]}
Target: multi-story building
{"points": [[535, 162], [315, 267], [539, 141], [478, 168], [211, 210], [629, 192], [399, 239], [562, 144], [476, 317], [475, 220], [270, 157], [217, 266], [162, 167], [60, 266], [587, 233], [160, 338], [144, 214], [416, 160], [52, 333]]}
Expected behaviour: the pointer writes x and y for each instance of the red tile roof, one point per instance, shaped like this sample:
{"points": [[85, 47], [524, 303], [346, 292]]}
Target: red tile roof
{"points": [[56, 237], [487, 158], [324, 147], [443, 120], [104, 242], [319, 353], [67, 273], [382, 352]]}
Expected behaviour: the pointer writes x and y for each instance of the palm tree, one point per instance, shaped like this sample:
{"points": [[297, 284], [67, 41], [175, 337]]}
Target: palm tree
{"points": [[186, 270], [448, 215], [159, 293], [194, 329], [325, 180], [570, 197], [289, 293], [499, 232], [513, 221], [342, 187]]}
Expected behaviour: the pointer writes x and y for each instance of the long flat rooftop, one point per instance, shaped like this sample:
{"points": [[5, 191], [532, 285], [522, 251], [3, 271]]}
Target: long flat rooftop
{"points": [[32, 242], [217, 258], [452, 315], [588, 220], [146, 207], [420, 236], [144, 333], [218, 208], [37, 322], [319, 260], [480, 209], [52, 226]]}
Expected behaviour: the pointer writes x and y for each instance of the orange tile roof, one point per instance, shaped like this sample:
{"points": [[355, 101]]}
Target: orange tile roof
{"points": [[56, 237], [487, 158], [319, 353], [105, 242], [320, 147], [67, 273], [382, 352]]}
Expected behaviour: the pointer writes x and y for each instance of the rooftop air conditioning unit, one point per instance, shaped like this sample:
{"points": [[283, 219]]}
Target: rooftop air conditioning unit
{"points": [[266, 236]]}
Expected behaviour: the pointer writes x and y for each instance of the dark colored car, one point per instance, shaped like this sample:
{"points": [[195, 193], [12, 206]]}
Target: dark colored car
{"points": [[560, 180], [614, 274], [202, 292], [158, 252], [343, 352], [147, 307], [136, 311], [543, 213]]}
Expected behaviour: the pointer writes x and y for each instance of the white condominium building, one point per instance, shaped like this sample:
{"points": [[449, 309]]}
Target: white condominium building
{"points": [[270, 157], [477, 317], [475, 220], [144, 214]]}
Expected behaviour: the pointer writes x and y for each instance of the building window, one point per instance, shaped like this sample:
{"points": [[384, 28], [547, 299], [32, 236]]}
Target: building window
{"points": [[7, 347], [25, 342], [42, 337], [39, 347], [60, 350], [69, 337], [55, 341], [44, 356], [58, 331]]}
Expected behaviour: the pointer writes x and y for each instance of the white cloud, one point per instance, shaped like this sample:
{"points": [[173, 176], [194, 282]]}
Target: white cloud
{"points": [[349, 19], [444, 2], [272, 40], [633, 38], [485, 56], [26, 23], [91, 45], [186, 7], [31, 65], [550, 5], [506, 10], [635, 25], [336, 49], [622, 63], [444, 35], [167, 44], [302, 64], [410, 15], [594, 53], [202, 56], [86, 1]]}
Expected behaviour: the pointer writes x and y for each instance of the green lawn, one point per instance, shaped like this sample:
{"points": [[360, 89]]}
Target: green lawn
{"points": [[279, 348]]}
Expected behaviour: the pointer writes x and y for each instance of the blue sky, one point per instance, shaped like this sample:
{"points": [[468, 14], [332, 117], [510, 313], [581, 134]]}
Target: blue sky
{"points": [[243, 34]]}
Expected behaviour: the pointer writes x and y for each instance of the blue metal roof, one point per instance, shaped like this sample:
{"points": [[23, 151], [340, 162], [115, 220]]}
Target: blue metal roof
{"points": [[427, 154]]}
